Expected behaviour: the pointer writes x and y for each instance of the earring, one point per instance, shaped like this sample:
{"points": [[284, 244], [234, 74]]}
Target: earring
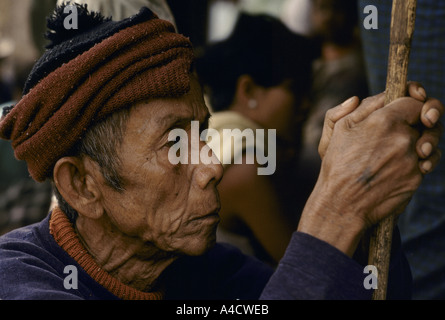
{"points": [[252, 103]]}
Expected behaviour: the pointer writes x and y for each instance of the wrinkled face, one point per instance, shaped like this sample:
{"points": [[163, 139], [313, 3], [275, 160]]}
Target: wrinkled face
{"points": [[174, 207]]}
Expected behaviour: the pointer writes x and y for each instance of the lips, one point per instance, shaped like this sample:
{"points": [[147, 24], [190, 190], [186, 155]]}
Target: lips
{"points": [[214, 214]]}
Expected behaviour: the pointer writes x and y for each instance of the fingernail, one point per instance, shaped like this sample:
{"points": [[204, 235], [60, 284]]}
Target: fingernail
{"points": [[432, 115], [421, 91], [347, 102], [426, 148], [427, 166]]}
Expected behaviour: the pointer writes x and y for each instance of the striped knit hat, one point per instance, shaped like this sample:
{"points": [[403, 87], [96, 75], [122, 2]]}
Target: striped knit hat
{"points": [[88, 74]]}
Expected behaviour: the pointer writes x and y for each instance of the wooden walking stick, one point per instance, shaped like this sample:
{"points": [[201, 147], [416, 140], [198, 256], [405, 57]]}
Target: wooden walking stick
{"points": [[402, 28]]}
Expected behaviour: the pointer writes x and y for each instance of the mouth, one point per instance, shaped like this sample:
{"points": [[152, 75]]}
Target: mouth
{"points": [[212, 215]]}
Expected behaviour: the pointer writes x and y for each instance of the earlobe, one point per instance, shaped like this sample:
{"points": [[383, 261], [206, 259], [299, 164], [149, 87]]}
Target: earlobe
{"points": [[246, 90], [74, 179], [252, 103]]}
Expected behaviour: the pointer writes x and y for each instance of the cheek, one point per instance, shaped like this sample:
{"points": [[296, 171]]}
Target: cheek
{"points": [[288, 107], [174, 227], [283, 107], [166, 206], [161, 206], [153, 202], [167, 220]]}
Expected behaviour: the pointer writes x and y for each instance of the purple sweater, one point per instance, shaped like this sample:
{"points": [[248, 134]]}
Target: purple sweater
{"points": [[32, 267]]}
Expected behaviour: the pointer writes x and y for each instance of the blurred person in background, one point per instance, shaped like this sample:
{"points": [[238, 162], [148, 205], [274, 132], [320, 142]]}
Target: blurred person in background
{"points": [[253, 85], [296, 15], [22, 200], [121, 9], [339, 72], [6, 49]]}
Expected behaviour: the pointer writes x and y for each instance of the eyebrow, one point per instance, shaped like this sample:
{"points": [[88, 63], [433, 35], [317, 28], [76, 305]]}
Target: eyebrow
{"points": [[173, 121]]}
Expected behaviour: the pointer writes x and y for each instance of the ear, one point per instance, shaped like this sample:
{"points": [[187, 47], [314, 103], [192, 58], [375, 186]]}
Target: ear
{"points": [[75, 179], [246, 90]]}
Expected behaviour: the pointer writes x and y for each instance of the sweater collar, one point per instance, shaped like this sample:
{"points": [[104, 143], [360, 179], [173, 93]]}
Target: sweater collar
{"points": [[63, 232]]}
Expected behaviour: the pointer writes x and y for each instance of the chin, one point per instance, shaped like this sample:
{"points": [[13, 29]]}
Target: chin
{"points": [[200, 245]]}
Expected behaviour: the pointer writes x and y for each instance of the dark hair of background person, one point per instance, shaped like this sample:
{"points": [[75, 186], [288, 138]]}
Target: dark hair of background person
{"points": [[337, 20], [259, 46]]}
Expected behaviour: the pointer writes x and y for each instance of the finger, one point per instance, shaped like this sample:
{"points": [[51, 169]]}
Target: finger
{"points": [[407, 109], [342, 110], [416, 90], [428, 165], [432, 111], [429, 141], [332, 116], [368, 106]]}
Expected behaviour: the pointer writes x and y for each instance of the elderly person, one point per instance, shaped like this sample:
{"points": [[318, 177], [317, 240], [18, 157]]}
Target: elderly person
{"points": [[95, 118]]}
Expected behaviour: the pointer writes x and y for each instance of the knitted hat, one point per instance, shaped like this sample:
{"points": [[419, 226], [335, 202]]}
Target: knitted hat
{"points": [[87, 75]]}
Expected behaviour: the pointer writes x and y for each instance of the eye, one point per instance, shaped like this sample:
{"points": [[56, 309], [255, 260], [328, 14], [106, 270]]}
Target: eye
{"points": [[173, 142]]}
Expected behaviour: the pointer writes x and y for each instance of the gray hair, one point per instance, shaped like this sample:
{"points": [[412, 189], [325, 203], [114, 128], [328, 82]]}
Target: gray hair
{"points": [[100, 144]]}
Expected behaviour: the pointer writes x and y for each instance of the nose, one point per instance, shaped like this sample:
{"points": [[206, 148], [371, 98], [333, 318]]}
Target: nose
{"points": [[210, 172]]}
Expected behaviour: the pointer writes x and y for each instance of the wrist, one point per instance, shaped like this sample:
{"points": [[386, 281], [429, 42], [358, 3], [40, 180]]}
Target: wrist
{"points": [[327, 219]]}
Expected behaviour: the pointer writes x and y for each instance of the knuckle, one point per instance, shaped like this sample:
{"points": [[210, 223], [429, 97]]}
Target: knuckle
{"points": [[375, 121], [329, 114], [381, 122], [347, 123], [404, 142]]}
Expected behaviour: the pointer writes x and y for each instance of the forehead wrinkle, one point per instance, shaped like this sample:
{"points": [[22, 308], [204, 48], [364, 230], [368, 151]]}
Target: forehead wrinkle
{"points": [[173, 120], [160, 115], [168, 113]]}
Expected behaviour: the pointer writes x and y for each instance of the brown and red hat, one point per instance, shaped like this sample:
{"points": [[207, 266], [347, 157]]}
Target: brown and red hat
{"points": [[89, 73]]}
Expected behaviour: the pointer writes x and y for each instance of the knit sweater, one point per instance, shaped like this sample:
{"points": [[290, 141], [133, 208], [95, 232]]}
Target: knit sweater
{"points": [[33, 261], [63, 232]]}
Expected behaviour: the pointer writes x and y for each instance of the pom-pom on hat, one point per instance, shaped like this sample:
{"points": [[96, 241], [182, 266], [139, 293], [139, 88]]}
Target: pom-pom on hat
{"points": [[89, 73]]}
